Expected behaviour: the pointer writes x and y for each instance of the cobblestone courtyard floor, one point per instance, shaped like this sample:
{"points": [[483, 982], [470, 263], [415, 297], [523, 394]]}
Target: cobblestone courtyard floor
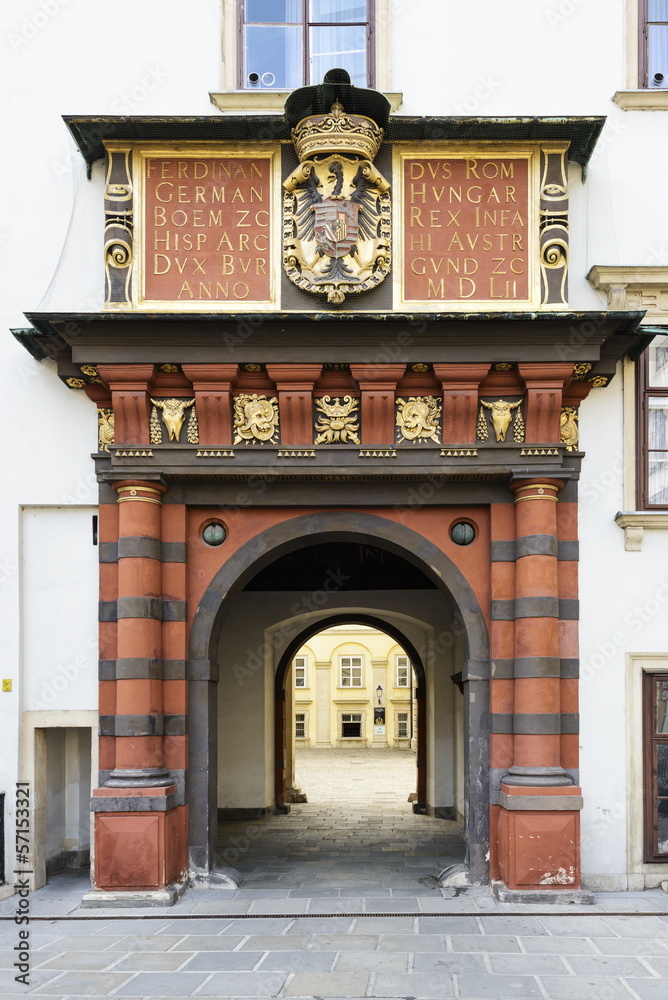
{"points": [[357, 832], [340, 901]]}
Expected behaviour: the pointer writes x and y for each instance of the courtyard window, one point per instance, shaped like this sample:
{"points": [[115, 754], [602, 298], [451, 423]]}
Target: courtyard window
{"points": [[351, 671], [351, 726], [285, 44], [655, 716], [402, 725], [654, 44], [403, 668], [653, 422], [300, 671], [300, 726]]}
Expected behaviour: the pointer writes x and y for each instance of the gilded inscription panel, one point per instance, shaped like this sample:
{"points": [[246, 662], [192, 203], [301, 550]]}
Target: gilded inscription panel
{"points": [[209, 233], [469, 225]]}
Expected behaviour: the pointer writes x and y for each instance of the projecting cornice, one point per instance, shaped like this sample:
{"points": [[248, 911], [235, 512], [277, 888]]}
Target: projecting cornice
{"points": [[91, 131], [639, 286]]}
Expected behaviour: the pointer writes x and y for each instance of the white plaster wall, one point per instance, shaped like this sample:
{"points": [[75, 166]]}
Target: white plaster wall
{"points": [[624, 608]]}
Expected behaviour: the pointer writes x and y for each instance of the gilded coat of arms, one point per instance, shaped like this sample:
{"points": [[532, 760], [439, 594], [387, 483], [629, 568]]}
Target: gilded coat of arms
{"points": [[337, 209]]}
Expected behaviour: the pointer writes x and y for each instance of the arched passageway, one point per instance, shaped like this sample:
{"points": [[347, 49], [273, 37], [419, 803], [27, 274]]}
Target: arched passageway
{"points": [[257, 611]]}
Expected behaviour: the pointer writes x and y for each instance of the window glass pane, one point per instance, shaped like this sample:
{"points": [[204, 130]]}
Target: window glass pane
{"points": [[341, 11], [658, 362], [662, 710], [275, 55], [274, 11], [657, 487], [657, 55], [662, 846], [662, 769], [338, 48], [658, 10], [658, 422]]}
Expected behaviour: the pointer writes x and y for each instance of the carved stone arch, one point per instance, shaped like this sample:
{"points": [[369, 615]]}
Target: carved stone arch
{"points": [[266, 547]]}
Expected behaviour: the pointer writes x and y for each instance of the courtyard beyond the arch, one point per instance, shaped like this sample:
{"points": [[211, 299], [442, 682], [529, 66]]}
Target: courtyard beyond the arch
{"points": [[357, 834]]}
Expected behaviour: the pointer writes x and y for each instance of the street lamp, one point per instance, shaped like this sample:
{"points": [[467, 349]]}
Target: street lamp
{"points": [[379, 693]]}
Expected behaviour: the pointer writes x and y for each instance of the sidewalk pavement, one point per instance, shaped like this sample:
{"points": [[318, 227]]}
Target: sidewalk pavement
{"points": [[341, 899], [435, 943]]}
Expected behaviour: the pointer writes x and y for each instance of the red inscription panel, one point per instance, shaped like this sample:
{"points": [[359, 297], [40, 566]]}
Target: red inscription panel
{"points": [[466, 229], [207, 229]]}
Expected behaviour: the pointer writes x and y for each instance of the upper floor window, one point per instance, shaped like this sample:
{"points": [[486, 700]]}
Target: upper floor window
{"points": [[300, 671], [654, 43], [351, 671], [285, 44], [653, 375], [403, 668]]}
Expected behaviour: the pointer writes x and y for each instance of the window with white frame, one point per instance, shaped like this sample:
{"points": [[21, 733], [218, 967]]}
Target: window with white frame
{"points": [[402, 726], [300, 671], [653, 425], [300, 725], [351, 725], [350, 671], [403, 671], [285, 44], [653, 44]]}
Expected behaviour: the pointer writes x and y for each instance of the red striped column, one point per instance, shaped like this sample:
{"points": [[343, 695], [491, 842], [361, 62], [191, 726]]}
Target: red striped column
{"points": [[538, 823], [139, 717]]}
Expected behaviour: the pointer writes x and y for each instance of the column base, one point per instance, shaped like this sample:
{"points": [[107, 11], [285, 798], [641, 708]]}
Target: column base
{"points": [[539, 838], [118, 898], [220, 877], [141, 777], [140, 839], [543, 777], [549, 896]]}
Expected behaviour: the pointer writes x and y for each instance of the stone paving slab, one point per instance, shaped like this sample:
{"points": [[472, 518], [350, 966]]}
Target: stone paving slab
{"points": [[326, 984], [587, 988]]}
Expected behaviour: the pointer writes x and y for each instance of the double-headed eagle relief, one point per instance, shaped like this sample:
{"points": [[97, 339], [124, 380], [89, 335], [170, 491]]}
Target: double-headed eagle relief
{"points": [[337, 209]]}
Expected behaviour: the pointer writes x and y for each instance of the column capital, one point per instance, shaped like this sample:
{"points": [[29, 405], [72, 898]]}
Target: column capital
{"points": [[540, 488], [134, 489]]}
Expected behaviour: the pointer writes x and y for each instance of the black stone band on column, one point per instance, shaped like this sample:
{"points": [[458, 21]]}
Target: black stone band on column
{"points": [[537, 666], [536, 545], [143, 607], [537, 607], [107, 552], [176, 725], [502, 551], [569, 551], [131, 725], [142, 547], [570, 668], [535, 723], [569, 609], [139, 547], [528, 607], [174, 552], [503, 670], [136, 668], [133, 803], [502, 611]]}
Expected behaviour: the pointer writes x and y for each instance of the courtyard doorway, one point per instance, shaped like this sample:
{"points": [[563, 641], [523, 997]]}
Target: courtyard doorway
{"points": [[292, 582]]}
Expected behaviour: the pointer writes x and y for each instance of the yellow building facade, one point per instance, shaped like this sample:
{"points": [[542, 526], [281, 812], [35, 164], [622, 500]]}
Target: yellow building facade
{"points": [[352, 685]]}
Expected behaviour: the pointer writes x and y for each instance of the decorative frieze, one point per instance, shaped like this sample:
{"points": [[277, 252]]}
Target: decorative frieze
{"points": [[255, 419], [337, 421], [173, 416], [105, 420], [502, 413], [418, 419]]}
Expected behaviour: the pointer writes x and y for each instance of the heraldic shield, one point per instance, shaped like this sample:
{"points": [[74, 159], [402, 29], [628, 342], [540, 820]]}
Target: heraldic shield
{"points": [[336, 208]]}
